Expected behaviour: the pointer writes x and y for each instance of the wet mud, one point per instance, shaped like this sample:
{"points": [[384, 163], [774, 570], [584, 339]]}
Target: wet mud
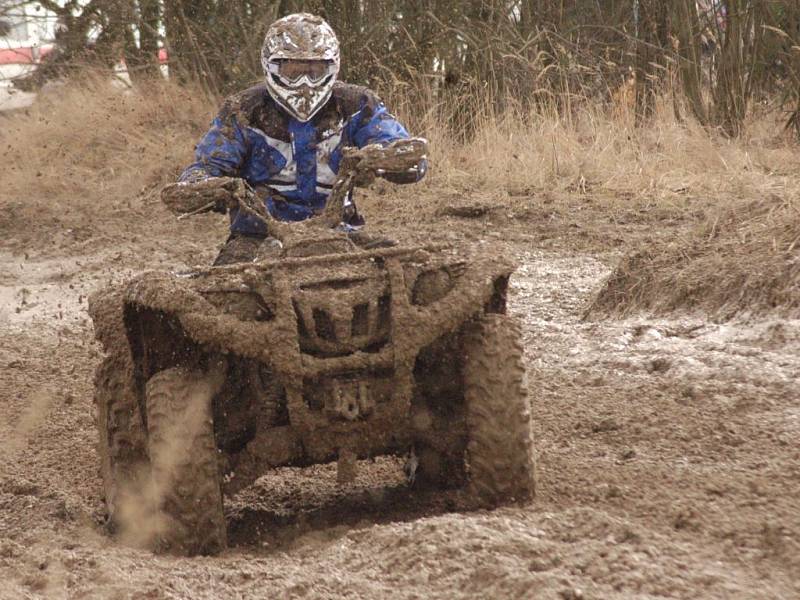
{"points": [[668, 463]]}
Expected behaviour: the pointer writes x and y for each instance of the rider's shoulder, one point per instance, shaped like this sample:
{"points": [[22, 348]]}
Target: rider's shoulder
{"points": [[353, 98], [247, 106]]}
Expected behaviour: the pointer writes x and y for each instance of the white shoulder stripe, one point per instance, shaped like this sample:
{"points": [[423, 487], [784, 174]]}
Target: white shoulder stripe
{"points": [[282, 188]]}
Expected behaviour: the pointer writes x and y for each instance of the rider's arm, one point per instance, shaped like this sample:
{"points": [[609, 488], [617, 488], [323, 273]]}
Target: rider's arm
{"points": [[220, 153], [376, 125]]}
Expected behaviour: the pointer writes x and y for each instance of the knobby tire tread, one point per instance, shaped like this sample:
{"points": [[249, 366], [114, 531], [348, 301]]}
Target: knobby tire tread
{"points": [[184, 465], [500, 448]]}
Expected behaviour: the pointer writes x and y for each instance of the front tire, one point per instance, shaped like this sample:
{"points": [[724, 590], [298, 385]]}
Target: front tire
{"points": [[500, 456], [183, 456]]}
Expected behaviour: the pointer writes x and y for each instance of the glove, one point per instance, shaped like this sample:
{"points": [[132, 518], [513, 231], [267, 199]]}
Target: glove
{"points": [[401, 161], [214, 194]]}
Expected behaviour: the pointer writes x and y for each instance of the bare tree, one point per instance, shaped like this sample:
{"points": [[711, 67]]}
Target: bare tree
{"points": [[508, 52]]}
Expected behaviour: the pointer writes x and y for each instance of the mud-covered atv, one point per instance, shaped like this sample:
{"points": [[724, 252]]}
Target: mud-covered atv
{"points": [[329, 352]]}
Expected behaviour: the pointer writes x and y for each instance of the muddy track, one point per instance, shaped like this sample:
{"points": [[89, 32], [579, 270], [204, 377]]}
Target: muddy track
{"points": [[668, 459]]}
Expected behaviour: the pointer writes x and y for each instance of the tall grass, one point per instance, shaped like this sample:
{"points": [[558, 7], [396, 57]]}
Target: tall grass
{"points": [[598, 150], [86, 162]]}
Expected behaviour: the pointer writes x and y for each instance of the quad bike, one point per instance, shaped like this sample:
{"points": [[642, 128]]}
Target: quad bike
{"points": [[327, 352]]}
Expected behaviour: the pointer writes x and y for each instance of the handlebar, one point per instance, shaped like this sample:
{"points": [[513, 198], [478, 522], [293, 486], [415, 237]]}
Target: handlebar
{"points": [[398, 157], [401, 156]]}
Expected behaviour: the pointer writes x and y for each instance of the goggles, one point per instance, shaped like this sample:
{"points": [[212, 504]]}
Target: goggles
{"points": [[293, 72]]}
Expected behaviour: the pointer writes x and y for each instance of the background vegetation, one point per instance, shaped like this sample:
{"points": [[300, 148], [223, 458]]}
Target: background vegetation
{"points": [[719, 58]]}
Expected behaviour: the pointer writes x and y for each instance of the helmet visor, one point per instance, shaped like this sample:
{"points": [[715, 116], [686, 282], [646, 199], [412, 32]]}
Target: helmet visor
{"points": [[292, 72]]}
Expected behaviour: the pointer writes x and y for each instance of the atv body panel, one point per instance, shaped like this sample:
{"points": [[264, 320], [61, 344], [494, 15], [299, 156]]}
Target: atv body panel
{"points": [[320, 351]]}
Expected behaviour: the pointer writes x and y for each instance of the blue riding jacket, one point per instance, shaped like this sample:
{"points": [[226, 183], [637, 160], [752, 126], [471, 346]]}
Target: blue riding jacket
{"points": [[255, 139]]}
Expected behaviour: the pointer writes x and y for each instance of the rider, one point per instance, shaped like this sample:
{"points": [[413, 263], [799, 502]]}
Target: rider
{"points": [[285, 137]]}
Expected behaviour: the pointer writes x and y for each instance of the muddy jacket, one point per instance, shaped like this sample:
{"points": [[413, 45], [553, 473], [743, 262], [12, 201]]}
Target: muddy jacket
{"points": [[253, 138]]}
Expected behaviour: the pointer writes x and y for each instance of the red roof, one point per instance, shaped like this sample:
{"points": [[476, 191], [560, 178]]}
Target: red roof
{"points": [[24, 56], [17, 56], [34, 55]]}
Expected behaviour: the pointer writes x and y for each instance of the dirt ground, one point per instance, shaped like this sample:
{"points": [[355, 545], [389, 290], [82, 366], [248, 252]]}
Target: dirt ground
{"points": [[668, 454]]}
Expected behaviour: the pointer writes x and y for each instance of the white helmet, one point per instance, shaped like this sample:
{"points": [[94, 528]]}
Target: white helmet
{"points": [[301, 61]]}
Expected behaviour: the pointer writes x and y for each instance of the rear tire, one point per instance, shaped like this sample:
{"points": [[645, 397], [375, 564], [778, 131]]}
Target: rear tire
{"points": [[500, 459], [183, 456]]}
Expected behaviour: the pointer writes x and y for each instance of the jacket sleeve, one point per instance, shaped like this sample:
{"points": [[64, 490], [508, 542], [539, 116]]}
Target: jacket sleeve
{"points": [[221, 152], [378, 126]]}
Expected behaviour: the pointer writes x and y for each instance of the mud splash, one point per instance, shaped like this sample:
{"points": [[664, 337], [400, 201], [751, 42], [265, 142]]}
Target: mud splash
{"points": [[39, 405], [145, 516]]}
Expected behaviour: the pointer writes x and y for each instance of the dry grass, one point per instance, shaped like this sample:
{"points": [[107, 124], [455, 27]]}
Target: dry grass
{"points": [[82, 139], [599, 152], [91, 149], [94, 143]]}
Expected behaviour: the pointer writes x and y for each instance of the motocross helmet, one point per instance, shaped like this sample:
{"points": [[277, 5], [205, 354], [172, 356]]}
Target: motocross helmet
{"points": [[301, 62]]}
